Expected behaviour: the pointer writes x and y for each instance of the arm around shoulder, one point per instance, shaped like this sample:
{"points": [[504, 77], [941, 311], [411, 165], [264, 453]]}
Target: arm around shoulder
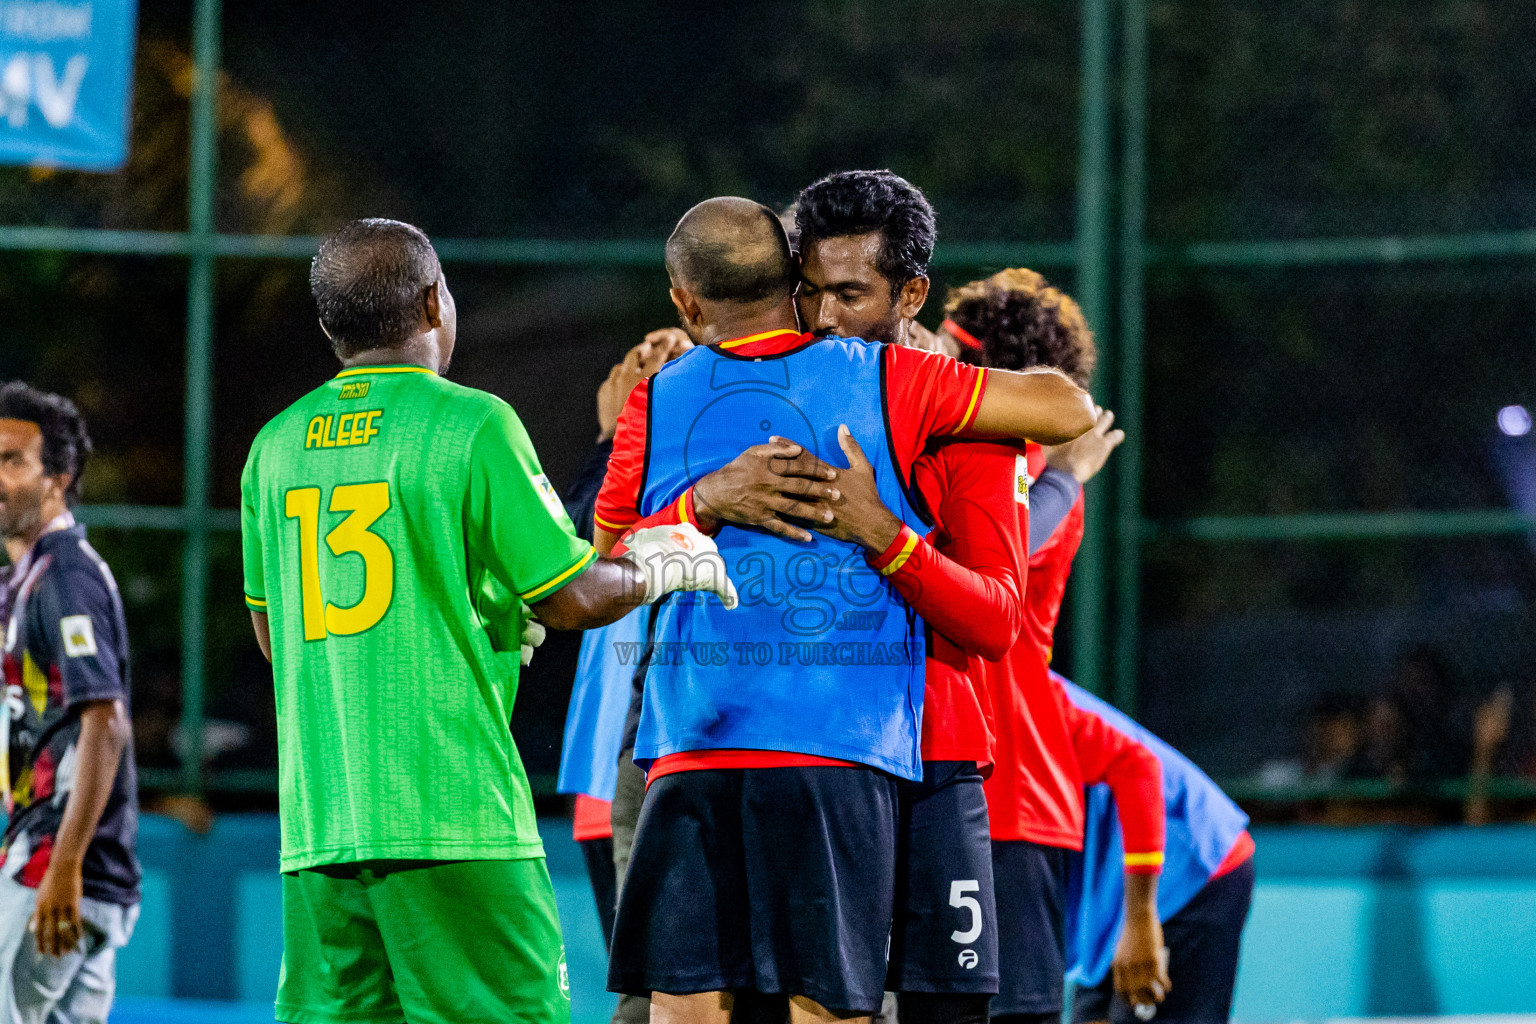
{"points": [[1040, 404]]}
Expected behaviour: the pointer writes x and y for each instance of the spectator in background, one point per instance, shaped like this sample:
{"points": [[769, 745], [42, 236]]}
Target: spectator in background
{"points": [[156, 709], [1334, 741], [1415, 733], [1518, 752], [1503, 744], [69, 895], [156, 721], [1345, 736], [1436, 734], [1382, 744]]}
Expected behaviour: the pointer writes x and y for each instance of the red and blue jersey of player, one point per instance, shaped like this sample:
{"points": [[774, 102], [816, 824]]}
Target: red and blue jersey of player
{"points": [[967, 579], [926, 395], [973, 611]]}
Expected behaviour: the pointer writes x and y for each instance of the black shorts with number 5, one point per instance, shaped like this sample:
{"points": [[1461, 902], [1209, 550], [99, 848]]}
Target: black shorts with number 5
{"points": [[944, 935]]}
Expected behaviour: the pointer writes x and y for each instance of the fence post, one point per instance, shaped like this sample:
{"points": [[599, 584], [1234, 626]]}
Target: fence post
{"points": [[1131, 341], [201, 184], [1092, 287]]}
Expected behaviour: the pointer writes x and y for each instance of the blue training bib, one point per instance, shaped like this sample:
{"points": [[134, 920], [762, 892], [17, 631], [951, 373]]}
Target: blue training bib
{"points": [[594, 724], [822, 657], [1202, 825]]}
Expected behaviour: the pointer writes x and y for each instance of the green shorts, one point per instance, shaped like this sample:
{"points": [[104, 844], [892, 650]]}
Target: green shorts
{"points": [[428, 942]]}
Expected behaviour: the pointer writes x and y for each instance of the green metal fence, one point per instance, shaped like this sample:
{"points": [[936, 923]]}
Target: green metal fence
{"points": [[1110, 256]]}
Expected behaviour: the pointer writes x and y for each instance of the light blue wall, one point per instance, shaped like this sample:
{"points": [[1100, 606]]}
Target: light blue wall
{"points": [[1345, 922], [1400, 922]]}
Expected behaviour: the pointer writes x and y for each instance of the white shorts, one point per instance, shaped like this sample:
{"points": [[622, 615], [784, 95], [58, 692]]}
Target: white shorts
{"points": [[72, 989]]}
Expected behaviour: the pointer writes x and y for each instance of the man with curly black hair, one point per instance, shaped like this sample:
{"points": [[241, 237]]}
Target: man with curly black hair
{"points": [[69, 889]]}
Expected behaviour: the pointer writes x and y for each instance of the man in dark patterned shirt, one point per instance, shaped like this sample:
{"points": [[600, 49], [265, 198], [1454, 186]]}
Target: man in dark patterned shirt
{"points": [[69, 885]]}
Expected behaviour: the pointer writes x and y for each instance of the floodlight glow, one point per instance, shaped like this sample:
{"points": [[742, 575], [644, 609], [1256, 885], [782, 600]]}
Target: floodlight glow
{"points": [[1514, 421]]}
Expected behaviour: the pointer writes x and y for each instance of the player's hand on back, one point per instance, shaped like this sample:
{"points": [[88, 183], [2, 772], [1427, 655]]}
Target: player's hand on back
{"points": [[765, 484], [679, 558], [859, 515], [1084, 457], [662, 346]]}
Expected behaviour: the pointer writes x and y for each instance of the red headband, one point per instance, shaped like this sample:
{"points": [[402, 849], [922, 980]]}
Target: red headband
{"points": [[961, 335]]}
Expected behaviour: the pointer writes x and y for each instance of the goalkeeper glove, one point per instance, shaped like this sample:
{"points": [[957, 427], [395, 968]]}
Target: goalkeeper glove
{"points": [[533, 634], [679, 558]]}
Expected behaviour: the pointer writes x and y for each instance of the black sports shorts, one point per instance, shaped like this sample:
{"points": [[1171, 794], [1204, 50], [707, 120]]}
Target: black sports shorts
{"points": [[773, 880], [944, 937], [1031, 923]]}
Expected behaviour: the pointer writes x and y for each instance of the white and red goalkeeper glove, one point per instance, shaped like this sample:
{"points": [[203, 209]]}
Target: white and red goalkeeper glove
{"points": [[679, 558]]}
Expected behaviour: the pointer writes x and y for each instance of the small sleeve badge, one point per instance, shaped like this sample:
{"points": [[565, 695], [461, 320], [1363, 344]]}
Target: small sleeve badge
{"points": [[79, 636], [1021, 480], [550, 496]]}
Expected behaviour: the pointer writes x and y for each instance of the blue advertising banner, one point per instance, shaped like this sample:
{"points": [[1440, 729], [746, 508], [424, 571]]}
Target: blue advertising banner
{"points": [[66, 77]]}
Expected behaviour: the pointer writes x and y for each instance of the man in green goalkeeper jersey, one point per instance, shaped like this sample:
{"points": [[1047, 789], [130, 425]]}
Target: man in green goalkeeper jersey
{"points": [[395, 529]]}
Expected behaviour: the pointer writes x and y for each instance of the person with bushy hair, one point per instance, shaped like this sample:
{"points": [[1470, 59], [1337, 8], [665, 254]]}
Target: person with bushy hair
{"points": [[1012, 320], [1016, 318]]}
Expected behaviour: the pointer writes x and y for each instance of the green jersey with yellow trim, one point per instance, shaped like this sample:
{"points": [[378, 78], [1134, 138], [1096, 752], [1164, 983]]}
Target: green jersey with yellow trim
{"points": [[390, 522]]}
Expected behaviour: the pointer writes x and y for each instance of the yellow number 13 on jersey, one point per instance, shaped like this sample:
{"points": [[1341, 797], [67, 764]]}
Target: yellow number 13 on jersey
{"points": [[366, 502]]}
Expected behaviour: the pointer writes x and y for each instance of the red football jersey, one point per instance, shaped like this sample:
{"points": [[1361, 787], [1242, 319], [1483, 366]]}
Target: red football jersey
{"points": [[971, 599], [1035, 792]]}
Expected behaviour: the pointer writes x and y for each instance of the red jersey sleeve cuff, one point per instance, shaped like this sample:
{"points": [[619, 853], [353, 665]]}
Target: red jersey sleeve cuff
{"points": [[685, 512], [679, 511], [611, 525], [1144, 863], [898, 554]]}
